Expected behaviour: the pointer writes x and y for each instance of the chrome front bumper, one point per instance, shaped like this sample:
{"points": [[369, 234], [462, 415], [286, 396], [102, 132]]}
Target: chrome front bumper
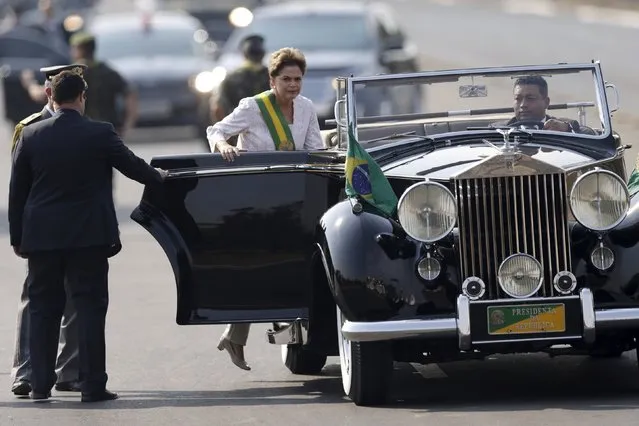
{"points": [[460, 327]]}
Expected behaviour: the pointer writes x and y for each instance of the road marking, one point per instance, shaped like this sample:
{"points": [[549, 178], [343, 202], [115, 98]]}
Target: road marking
{"points": [[529, 7], [429, 371], [608, 16]]}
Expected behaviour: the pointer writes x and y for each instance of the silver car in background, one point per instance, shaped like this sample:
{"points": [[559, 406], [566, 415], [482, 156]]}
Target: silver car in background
{"points": [[338, 39], [166, 55]]}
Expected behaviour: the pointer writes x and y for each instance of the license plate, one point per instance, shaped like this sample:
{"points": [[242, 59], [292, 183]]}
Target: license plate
{"points": [[526, 319]]}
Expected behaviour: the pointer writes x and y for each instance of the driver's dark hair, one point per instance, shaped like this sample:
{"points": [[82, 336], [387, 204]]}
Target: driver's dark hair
{"points": [[534, 80]]}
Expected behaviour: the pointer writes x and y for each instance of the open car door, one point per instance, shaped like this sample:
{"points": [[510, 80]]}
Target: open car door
{"points": [[240, 235]]}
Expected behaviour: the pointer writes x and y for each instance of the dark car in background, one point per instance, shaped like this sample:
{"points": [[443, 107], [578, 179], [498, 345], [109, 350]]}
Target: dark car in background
{"points": [[338, 39], [29, 41], [23, 49], [166, 56]]}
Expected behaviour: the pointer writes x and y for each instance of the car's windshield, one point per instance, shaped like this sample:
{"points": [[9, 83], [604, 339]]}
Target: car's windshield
{"points": [[156, 42], [323, 31], [549, 100]]}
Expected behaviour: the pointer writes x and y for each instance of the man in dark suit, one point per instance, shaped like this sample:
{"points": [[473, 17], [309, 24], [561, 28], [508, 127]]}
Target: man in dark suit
{"points": [[530, 103], [67, 367], [62, 219]]}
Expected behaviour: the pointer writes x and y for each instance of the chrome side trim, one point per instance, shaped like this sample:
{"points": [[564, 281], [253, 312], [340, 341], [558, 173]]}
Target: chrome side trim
{"points": [[404, 329], [288, 333], [617, 318], [258, 169], [588, 314], [327, 270]]}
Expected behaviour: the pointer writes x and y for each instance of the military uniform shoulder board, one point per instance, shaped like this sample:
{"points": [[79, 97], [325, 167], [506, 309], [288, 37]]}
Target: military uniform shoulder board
{"points": [[30, 119]]}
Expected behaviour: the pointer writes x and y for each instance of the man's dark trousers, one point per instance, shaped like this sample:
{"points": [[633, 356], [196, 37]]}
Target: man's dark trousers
{"points": [[87, 284], [67, 367]]}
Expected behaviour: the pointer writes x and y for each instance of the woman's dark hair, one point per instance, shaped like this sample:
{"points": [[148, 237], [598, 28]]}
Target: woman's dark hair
{"points": [[67, 86], [285, 57]]}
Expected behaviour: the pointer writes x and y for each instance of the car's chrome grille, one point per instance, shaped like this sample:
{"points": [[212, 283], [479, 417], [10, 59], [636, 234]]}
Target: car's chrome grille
{"points": [[501, 216]]}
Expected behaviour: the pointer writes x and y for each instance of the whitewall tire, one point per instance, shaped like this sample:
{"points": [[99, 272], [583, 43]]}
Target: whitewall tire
{"points": [[366, 368]]}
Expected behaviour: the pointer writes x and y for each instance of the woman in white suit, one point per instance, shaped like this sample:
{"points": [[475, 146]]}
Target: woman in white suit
{"points": [[278, 119]]}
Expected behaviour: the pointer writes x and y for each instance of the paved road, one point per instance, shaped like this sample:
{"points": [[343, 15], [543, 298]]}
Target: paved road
{"points": [[174, 375]]}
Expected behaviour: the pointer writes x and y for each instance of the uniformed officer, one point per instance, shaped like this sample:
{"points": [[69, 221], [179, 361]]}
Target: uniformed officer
{"points": [[67, 366], [43, 94], [107, 88], [248, 80]]}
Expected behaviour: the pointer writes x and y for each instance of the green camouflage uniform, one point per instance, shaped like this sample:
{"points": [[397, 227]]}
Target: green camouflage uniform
{"points": [[244, 82]]}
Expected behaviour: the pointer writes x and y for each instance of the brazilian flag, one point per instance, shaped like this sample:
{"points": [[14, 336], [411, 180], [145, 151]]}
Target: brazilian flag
{"points": [[364, 178]]}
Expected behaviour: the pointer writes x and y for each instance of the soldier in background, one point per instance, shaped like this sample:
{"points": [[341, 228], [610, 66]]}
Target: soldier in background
{"points": [[248, 80], [106, 86], [67, 365]]}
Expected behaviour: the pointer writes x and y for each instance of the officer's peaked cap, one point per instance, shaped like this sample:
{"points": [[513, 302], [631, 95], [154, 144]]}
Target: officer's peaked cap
{"points": [[52, 71]]}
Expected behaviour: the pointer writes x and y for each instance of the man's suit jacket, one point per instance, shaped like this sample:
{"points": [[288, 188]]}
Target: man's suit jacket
{"points": [[61, 190]]}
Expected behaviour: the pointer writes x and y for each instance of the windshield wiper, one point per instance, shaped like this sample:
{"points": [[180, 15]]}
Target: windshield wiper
{"points": [[395, 136], [405, 149]]}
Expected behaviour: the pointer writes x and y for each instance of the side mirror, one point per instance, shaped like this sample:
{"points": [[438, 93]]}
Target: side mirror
{"points": [[613, 88]]}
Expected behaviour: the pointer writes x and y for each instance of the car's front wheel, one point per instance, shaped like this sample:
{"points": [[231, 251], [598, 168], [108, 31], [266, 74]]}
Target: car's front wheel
{"points": [[301, 360], [367, 368]]}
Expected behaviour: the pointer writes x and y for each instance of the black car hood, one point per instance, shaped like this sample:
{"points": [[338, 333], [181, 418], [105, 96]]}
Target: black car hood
{"points": [[160, 67], [445, 162]]}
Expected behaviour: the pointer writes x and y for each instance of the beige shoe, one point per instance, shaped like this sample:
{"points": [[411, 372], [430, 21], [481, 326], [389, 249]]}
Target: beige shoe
{"points": [[235, 351]]}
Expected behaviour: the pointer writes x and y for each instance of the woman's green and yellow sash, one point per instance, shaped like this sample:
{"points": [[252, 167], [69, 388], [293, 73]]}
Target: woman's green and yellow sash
{"points": [[275, 121]]}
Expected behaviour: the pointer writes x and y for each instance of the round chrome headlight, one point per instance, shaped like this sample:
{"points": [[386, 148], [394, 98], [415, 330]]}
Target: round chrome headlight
{"points": [[427, 211], [599, 200], [520, 275]]}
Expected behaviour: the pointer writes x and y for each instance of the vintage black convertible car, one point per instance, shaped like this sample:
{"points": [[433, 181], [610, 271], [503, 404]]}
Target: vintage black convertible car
{"points": [[507, 237]]}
